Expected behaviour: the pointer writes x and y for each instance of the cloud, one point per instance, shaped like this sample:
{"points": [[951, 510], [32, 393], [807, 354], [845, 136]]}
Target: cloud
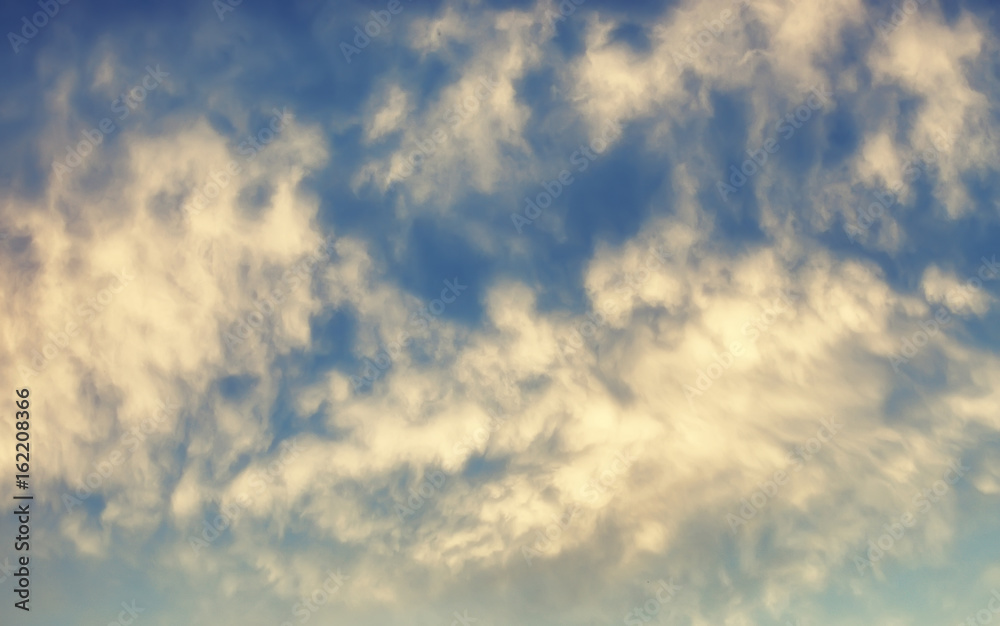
{"points": [[602, 391]]}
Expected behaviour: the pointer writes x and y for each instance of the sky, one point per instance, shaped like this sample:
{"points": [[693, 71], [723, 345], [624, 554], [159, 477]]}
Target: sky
{"points": [[468, 312]]}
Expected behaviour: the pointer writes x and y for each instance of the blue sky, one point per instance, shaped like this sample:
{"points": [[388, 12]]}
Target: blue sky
{"points": [[641, 312]]}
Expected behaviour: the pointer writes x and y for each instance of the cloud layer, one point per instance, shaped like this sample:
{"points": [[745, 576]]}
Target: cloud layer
{"points": [[523, 313]]}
